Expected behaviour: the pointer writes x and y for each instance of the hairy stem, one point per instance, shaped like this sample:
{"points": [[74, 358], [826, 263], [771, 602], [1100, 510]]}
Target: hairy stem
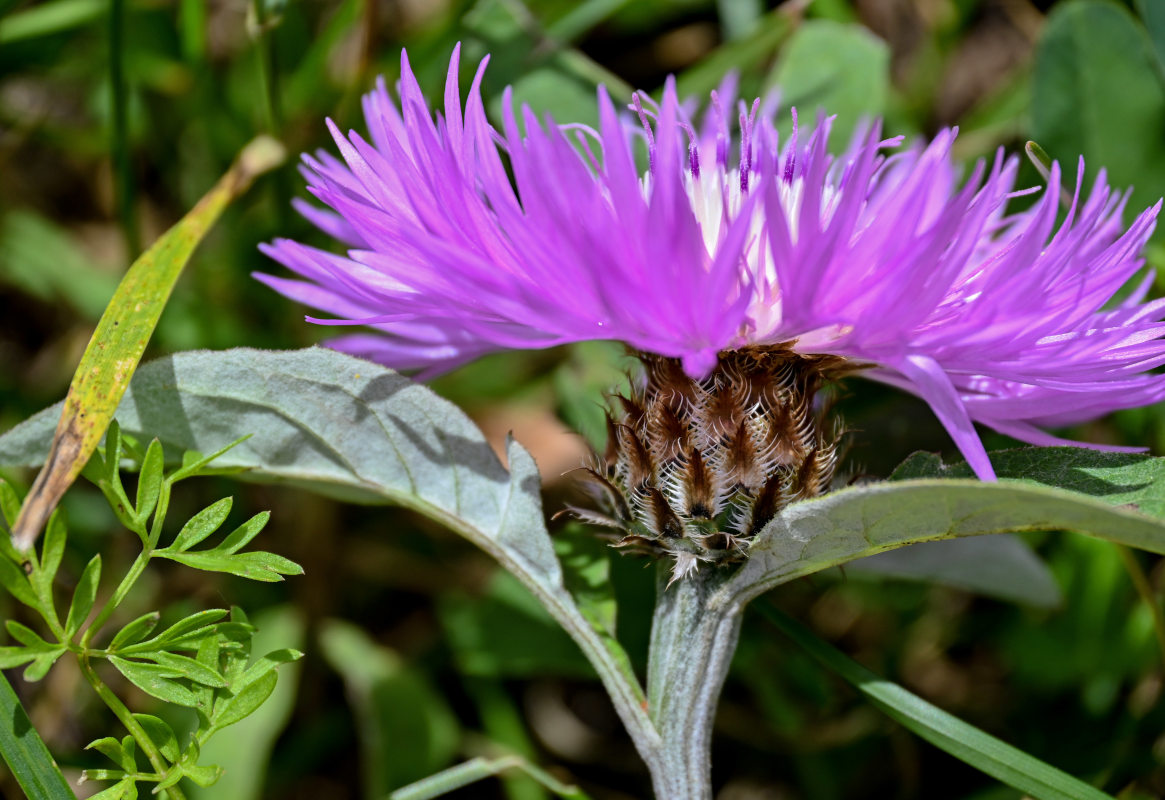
{"points": [[693, 638]]}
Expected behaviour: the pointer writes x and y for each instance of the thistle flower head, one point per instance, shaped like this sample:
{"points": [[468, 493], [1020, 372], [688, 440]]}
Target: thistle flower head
{"points": [[695, 468], [740, 265]]}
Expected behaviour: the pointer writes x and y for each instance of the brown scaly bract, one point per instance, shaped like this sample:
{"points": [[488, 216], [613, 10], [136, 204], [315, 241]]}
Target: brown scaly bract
{"points": [[694, 469]]}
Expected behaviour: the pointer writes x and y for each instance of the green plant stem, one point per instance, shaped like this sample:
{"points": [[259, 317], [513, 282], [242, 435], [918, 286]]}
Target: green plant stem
{"points": [[1145, 590], [123, 174], [135, 572], [268, 69], [126, 718], [694, 633]]}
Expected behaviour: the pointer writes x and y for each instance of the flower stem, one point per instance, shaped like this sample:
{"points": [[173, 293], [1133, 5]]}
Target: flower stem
{"points": [[123, 714], [268, 68], [693, 638]]}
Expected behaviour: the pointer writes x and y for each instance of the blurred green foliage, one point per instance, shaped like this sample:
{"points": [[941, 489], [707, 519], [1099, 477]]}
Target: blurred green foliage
{"points": [[419, 653]]}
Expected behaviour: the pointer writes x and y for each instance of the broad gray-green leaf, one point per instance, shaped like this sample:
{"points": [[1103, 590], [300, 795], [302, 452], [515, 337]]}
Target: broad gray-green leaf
{"points": [[343, 426], [861, 521], [1128, 480], [1097, 92], [999, 566]]}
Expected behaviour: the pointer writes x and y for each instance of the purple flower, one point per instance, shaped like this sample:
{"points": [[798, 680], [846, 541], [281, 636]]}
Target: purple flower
{"points": [[465, 239]]}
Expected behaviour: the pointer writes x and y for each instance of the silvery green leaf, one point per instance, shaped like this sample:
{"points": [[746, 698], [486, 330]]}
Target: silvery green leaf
{"points": [[843, 69], [351, 429], [999, 566], [195, 463], [809, 536]]}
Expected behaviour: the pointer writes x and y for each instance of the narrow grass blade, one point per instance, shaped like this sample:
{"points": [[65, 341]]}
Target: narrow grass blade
{"points": [[965, 742], [477, 769], [45, 19], [121, 336], [25, 753]]}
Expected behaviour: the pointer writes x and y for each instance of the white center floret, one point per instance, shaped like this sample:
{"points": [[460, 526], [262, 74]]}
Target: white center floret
{"points": [[716, 199]]}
